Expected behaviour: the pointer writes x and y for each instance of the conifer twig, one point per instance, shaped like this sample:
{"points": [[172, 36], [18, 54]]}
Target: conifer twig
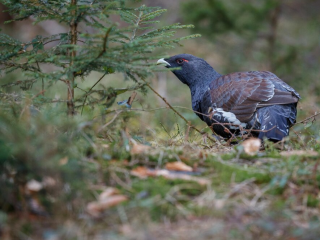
{"points": [[105, 40], [42, 81], [85, 98], [111, 121], [137, 26]]}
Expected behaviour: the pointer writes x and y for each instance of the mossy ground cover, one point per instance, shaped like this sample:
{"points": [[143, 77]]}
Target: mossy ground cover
{"points": [[270, 195]]}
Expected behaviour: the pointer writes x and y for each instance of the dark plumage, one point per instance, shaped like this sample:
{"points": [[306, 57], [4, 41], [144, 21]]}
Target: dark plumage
{"points": [[242, 100]]}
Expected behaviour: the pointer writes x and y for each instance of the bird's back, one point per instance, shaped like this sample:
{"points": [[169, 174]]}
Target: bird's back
{"points": [[252, 100]]}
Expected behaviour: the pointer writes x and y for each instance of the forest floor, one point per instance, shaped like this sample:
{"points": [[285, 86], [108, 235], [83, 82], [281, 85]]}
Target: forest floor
{"points": [[185, 190], [128, 176]]}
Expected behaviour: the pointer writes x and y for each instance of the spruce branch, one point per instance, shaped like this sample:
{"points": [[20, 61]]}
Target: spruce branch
{"points": [[128, 51], [42, 81], [86, 95], [104, 49], [136, 26], [105, 40]]}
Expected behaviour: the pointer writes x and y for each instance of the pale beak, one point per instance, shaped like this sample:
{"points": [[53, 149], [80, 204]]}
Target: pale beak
{"points": [[162, 61]]}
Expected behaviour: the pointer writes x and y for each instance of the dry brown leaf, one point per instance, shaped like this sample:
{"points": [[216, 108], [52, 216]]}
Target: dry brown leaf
{"points": [[34, 185], [219, 203], [97, 207], [201, 155], [35, 205], [139, 149], [169, 175], [251, 146], [183, 158], [142, 172], [178, 166], [309, 153], [109, 191], [63, 161], [126, 229], [49, 182]]}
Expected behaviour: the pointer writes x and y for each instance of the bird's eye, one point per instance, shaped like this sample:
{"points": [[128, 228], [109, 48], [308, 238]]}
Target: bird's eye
{"points": [[180, 61]]}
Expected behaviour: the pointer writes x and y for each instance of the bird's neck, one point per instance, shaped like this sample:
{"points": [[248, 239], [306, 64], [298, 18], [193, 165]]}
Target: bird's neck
{"points": [[200, 86]]}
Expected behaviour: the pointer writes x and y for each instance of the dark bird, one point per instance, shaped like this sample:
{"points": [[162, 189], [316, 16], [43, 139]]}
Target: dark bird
{"points": [[253, 102]]}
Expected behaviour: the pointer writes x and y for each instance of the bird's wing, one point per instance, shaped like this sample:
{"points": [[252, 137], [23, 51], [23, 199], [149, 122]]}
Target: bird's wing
{"points": [[279, 84], [241, 93]]}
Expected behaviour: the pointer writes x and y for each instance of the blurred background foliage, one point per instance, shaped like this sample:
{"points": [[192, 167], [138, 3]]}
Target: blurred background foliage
{"points": [[279, 36], [73, 158]]}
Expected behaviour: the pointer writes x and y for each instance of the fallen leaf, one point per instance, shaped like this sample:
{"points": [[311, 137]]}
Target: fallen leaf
{"points": [[195, 167], [309, 153], [35, 206], [169, 175], [219, 203], [139, 149], [105, 145], [183, 158], [126, 229], [63, 161], [251, 146], [125, 162], [49, 182], [107, 193], [34, 185], [178, 166], [142, 172], [97, 207], [202, 155]]}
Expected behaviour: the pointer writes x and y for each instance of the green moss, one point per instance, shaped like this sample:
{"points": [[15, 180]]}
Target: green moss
{"points": [[228, 156], [160, 196], [312, 201], [224, 171]]}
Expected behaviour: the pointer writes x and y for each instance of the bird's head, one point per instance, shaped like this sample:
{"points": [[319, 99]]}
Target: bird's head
{"points": [[188, 68]]}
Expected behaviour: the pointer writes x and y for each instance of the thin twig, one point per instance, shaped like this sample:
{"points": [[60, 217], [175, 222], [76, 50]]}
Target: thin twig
{"points": [[111, 121], [308, 118], [217, 123], [38, 94], [169, 105], [301, 140], [85, 99], [18, 82], [137, 25], [104, 49], [131, 98], [41, 79], [105, 40]]}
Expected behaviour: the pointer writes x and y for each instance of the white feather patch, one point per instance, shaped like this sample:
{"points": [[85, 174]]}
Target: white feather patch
{"points": [[230, 117]]}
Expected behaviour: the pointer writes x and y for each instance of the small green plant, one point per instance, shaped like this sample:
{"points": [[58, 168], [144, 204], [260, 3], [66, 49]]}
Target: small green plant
{"points": [[125, 46]]}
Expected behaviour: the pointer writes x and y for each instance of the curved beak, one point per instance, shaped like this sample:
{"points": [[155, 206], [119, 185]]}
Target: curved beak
{"points": [[162, 61]]}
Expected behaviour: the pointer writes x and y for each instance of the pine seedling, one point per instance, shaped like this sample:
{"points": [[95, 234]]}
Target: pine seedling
{"points": [[93, 41]]}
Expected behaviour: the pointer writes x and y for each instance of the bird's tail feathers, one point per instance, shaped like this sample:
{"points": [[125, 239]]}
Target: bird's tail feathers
{"points": [[275, 121]]}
